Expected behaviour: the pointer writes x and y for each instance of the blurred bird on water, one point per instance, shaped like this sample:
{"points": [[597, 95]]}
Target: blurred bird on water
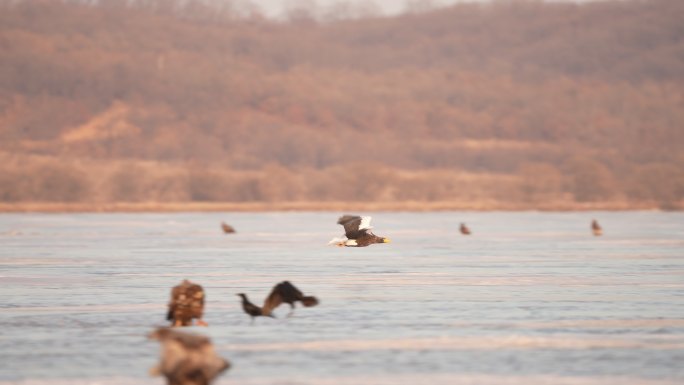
{"points": [[187, 359], [187, 303]]}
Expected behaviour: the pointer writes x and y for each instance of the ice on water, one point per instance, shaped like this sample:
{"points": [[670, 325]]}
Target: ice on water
{"points": [[531, 298]]}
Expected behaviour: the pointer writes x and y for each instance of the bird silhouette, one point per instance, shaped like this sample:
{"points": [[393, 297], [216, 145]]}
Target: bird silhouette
{"points": [[357, 232], [228, 229], [464, 229], [596, 228], [284, 292], [252, 309]]}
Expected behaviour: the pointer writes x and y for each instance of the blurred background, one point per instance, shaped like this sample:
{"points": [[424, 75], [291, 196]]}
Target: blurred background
{"points": [[502, 102]]}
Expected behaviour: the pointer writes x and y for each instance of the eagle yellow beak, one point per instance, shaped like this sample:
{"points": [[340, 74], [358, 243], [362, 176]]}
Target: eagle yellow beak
{"points": [[385, 240]]}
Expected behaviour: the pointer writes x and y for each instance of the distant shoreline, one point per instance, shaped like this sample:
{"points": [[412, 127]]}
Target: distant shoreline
{"points": [[160, 207]]}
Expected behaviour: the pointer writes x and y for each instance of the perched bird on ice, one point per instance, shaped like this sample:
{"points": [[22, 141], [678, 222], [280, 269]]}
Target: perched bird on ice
{"points": [[187, 303], [187, 359], [284, 292], [464, 229], [228, 229], [357, 232], [596, 228]]}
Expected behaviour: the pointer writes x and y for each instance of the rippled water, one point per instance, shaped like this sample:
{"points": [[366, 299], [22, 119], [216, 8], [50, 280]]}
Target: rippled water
{"points": [[529, 298]]}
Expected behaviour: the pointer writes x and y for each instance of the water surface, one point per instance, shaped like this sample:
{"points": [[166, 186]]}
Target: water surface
{"points": [[529, 298]]}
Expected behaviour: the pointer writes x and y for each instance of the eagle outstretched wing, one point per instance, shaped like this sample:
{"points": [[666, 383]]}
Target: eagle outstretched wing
{"points": [[354, 225]]}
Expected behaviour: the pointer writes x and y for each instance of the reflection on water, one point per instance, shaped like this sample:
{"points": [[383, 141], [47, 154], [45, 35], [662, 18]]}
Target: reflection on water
{"points": [[529, 298]]}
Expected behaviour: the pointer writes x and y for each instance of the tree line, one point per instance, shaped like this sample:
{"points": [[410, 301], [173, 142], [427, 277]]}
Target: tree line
{"points": [[194, 101]]}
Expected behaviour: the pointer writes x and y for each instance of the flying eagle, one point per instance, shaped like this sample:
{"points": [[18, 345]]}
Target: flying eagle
{"points": [[187, 359], [464, 229], [228, 229], [187, 302], [284, 292], [357, 232], [596, 228]]}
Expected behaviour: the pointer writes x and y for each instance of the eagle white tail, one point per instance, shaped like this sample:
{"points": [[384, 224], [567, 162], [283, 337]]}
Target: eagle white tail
{"points": [[337, 241]]}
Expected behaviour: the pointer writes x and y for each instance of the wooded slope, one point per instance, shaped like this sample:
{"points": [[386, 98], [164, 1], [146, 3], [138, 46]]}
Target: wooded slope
{"points": [[514, 101]]}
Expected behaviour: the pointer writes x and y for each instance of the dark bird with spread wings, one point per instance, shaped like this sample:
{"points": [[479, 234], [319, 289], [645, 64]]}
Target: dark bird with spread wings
{"points": [[357, 232], [596, 228], [187, 303], [284, 292], [187, 359], [464, 229]]}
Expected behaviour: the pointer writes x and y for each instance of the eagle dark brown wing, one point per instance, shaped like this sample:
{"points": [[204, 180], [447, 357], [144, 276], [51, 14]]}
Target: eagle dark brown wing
{"points": [[354, 225]]}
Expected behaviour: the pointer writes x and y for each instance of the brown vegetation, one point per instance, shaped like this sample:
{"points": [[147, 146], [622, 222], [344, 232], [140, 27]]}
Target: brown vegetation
{"points": [[509, 104]]}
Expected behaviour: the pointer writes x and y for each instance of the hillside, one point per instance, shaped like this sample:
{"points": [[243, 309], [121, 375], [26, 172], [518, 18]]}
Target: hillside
{"points": [[512, 102]]}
